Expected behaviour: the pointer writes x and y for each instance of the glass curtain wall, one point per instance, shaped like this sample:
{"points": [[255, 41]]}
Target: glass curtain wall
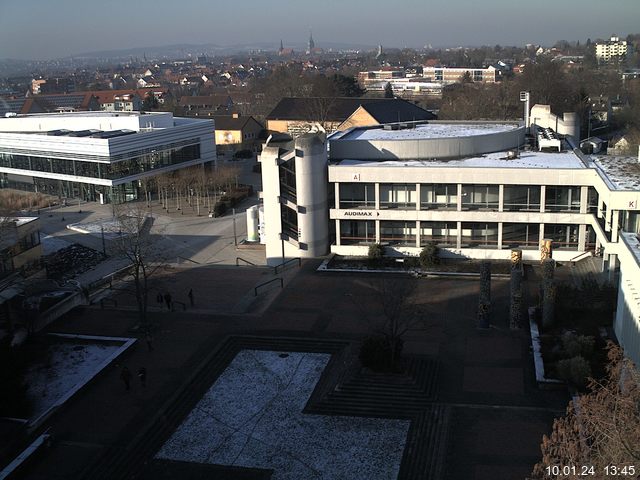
{"points": [[357, 195], [521, 198], [445, 234], [398, 233], [398, 195], [480, 197], [357, 232], [441, 196]]}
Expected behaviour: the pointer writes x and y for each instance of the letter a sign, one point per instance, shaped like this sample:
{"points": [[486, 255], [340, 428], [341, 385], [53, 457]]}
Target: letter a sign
{"points": [[356, 177]]}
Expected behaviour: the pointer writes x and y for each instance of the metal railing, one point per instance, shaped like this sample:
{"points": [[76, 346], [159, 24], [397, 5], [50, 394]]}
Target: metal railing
{"points": [[187, 259], [279, 279], [240, 259], [285, 263]]}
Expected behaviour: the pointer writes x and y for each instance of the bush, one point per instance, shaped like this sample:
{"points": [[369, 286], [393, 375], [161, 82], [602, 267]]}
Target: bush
{"points": [[577, 345], [376, 252], [375, 353], [411, 262], [430, 255], [574, 370], [219, 209]]}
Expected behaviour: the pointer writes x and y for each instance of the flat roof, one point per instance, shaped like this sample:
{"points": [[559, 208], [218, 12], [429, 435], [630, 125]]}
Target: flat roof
{"points": [[430, 130], [623, 172], [526, 159]]}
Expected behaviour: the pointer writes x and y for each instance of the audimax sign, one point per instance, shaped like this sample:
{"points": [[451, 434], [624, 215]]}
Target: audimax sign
{"points": [[361, 213]]}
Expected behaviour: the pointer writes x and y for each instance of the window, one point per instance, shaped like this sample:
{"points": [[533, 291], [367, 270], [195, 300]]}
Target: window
{"points": [[398, 195], [443, 196], [562, 199], [445, 234], [357, 232], [476, 235], [563, 236], [289, 219], [287, 172], [398, 233], [521, 198], [476, 197], [520, 235], [357, 195], [592, 200]]}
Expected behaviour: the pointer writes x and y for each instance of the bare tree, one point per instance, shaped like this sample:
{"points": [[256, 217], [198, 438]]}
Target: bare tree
{"points": [[391, 312], [601, 428], [137, 245]]}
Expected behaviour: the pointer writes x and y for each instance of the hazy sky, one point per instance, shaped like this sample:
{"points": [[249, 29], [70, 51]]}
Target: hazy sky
{"points": [[43, 29]]}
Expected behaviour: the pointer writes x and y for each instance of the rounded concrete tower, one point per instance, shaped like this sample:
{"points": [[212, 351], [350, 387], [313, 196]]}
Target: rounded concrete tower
{"points": [[311, 180]]}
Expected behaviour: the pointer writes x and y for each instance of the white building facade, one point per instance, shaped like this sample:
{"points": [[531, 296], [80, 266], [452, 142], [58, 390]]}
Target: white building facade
{"points": [[470, 187], [99, 156]]}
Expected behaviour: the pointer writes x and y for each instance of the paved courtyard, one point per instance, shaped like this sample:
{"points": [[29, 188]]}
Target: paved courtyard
{"points": [[496, 415]]}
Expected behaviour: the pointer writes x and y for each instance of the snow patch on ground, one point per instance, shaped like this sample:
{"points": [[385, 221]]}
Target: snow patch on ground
{"points": [[252, 417], [69, 365], [51, 244]]}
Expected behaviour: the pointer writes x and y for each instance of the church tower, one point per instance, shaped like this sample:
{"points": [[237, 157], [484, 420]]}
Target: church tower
{"points": [[311, 45]]}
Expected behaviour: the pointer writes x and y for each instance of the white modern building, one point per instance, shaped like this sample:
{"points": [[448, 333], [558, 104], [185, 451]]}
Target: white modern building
{"points": [[613, 49], [99, 156], [471, 187]]}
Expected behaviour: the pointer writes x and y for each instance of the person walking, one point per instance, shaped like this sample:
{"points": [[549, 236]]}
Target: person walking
{"points": [[125, 375], [167, 299], [142, 375], [190, 295]]}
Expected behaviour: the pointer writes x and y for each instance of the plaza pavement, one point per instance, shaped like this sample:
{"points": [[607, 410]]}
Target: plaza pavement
{"points": [[498, 413]]}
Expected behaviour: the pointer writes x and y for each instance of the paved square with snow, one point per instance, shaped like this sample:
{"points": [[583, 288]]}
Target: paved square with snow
{"points": [[252, 417]]}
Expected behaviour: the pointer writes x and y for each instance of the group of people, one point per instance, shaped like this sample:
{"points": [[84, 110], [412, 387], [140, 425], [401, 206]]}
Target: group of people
{"points": [[166, 298]]}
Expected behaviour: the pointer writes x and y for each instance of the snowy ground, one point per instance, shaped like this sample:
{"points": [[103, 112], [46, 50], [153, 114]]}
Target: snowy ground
{"points": [[52, 244], [111, 228], [252, 417], [70, 365]]}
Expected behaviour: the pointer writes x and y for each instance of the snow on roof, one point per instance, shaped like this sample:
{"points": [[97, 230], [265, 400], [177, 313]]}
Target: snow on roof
{"points": [[431, 130], [622, 172], [527, 159]]}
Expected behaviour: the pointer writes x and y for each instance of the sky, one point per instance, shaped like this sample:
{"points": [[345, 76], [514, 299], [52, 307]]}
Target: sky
{"points": [[46, 29]]}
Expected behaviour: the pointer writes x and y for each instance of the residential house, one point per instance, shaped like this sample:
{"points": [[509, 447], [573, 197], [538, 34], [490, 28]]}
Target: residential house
{"points": [[295, 116], [236, 132]]}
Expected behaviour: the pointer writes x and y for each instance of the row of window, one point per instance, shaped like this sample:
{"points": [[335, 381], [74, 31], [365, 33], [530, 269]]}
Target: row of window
{"points": [[473, 197], [109, 171], [472, 234]]}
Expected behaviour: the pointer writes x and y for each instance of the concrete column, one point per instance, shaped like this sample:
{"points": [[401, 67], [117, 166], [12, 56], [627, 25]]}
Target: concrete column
{"points": [[459, 198], [584, 194], [500, 205], [338, 233], [417, 196], [613, 265], [418, 241], [337, 195], [607, 222], [459, 239], [582, 238], [543, 194], [599, 213], [376, 188], [500, 235], [541, 235], [615, 219], [377, 228]]}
